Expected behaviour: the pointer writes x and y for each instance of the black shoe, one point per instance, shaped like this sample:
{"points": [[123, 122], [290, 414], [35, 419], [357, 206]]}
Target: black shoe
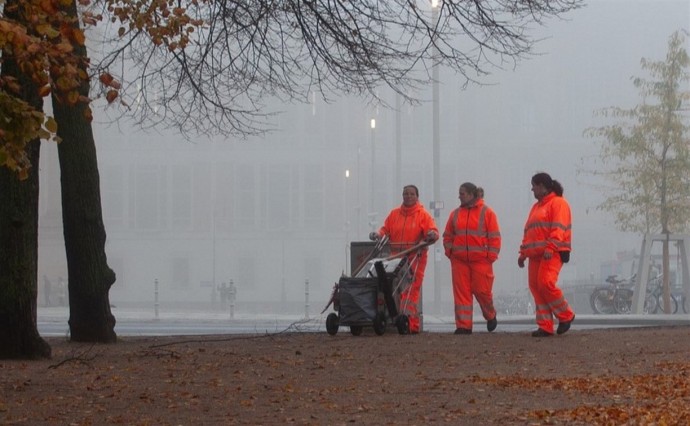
{"points": [[463, 331], [541, 333], [491, 324], [564, 326]]}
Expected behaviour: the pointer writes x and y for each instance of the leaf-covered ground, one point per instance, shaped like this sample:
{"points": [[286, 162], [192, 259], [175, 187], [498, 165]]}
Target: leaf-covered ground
{"points": [[637, 376]]}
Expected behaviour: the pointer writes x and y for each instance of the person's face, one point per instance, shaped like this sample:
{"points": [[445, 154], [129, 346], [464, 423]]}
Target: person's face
{"points": [[409, 197], [465, 196], [539, 191]]}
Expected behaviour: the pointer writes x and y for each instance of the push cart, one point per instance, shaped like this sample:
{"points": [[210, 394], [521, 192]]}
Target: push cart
{"points": [[372, 296]]}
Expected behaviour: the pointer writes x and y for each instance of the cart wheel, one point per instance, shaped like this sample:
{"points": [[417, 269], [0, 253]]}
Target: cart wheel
{"points": [[403, 324], [380, 324], [356, 330], [332, 324]]}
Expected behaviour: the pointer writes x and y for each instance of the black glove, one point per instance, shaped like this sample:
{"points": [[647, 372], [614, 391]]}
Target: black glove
{"points": [[565, 256], [431, 236]]}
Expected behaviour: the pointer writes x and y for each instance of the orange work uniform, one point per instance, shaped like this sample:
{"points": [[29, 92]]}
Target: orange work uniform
{"points": [[406, 227], [472, 241], [548, 229]]}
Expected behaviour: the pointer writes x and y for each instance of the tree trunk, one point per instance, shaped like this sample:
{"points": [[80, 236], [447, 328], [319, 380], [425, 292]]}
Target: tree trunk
{"points": [[89, 277], [19, 338]]}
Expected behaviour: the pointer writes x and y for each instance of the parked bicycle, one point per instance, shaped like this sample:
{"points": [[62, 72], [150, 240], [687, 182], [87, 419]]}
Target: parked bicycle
{"points": [[602, 298], [653, 302]]}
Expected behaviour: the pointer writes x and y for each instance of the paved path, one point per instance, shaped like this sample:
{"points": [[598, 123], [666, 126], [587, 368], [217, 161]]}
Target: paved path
{"points": [[131, 322]]}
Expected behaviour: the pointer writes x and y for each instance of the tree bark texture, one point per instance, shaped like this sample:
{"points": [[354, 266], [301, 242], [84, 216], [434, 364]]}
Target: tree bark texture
{"points": [[19, 338], [89, 276]]}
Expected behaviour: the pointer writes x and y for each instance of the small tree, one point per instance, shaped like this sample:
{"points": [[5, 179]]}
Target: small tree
{"points": [[645, 153]]}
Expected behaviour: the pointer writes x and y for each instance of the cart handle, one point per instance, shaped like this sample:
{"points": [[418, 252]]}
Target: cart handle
{"points": [[405, 252]]}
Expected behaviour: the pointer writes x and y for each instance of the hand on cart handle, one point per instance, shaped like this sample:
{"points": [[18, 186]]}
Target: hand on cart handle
{"points": [[431, 236], [374, 236]]}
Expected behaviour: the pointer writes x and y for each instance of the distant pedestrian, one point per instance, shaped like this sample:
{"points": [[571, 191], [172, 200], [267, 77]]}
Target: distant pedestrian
{"points": [[472, 241], [547, 244]]}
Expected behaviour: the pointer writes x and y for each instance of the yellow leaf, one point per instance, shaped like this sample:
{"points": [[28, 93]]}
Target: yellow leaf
{"points": [[72, 97], [44, 91], [111, 95], [78, 36], [23, 174], [51, 125]]}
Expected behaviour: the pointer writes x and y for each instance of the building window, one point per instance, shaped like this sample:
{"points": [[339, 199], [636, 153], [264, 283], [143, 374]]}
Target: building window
{"points": [[181, 197], [202, 195], [146, 205], [279, 197], [224, 198], [180, 273], [246, 273], [313, 196], [314, 273], [246, 197]]}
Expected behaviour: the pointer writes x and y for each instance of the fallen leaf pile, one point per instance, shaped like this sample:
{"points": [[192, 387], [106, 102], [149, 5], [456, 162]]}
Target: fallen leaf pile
{"points": [[661, 398]]}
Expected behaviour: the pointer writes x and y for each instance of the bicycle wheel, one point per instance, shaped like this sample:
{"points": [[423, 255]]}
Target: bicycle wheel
{"points": [[660, 304], [651, 304], [622, 301], [602, 301]]}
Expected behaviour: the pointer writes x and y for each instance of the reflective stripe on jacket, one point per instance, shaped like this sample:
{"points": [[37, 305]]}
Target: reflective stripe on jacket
{"points": [[472, 233], [548, 227], [407, 226]]}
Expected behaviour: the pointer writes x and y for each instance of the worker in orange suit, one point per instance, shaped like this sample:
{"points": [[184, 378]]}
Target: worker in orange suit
{"points": [[546, 243], [406, 226], [472, 241]]}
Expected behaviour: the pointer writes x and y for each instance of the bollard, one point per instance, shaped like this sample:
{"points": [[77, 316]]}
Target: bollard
{"points": [[232, 292], [155, 297], [306, 298]]}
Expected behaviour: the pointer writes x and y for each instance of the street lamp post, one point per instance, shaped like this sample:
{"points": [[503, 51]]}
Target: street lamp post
{"points": [[372, 210], [347, 221], [358, 207], [398, 142], [436, 153]]}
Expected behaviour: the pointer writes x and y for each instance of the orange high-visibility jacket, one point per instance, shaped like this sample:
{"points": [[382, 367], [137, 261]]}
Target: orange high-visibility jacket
{"points": [[548, 227], [472, 233], [407, 226]]}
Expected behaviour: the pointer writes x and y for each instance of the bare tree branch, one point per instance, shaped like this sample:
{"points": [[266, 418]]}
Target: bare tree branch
{"points": [[213, 67]]}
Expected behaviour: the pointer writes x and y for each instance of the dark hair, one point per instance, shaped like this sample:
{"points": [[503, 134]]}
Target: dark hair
{"points": [[551, 185], [416, 190], [470, 188]]}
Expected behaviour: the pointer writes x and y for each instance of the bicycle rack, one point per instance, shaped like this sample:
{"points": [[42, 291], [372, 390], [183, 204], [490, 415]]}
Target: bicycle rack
{"points": [[683, 241]]}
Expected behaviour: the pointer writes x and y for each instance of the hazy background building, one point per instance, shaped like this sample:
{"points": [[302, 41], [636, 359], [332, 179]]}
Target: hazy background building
{"points": [[273, 212]]}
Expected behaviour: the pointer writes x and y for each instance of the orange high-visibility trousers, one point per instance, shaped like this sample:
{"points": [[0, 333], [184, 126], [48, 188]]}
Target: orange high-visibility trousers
{"points": [[548, 298], [409, 299], [472, 279]]}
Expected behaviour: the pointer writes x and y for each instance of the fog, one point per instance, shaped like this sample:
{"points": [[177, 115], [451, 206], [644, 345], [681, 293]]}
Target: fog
{"points": [[276, 214]]}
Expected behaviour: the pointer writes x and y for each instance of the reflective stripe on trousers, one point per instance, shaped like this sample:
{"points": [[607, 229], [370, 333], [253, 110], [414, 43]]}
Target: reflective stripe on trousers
{"points": [[409, 299], [548, 298]]}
